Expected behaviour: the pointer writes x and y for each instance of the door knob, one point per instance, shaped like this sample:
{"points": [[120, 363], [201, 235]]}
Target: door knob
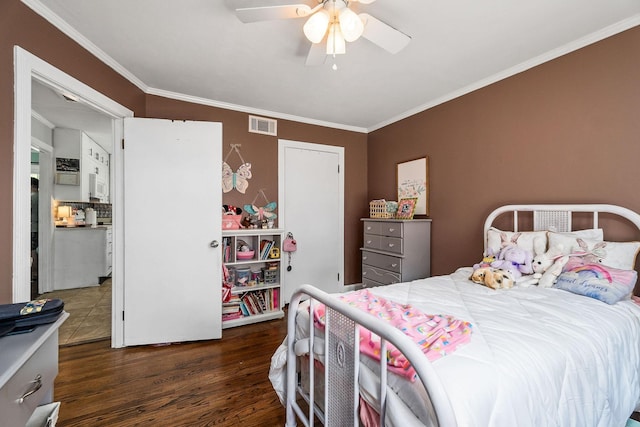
{"points": [[214, 244]]}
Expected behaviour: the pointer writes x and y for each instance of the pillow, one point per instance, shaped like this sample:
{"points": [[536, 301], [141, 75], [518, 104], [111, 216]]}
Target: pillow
{"points": [[589, 233], [606, 284], [614, 254], [525, 241]]}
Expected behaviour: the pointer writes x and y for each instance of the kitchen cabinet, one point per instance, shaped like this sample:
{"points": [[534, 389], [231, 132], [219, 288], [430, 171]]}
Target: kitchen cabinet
{"points": [[395, 251], [82, 255], [90, 182], [256, 276]]}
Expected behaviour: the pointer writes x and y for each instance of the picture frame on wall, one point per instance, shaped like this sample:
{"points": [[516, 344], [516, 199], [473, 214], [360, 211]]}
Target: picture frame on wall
{"points": [[406, 208], [413, 182]]}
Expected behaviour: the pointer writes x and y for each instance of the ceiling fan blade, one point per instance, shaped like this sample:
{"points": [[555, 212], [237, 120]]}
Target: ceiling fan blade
{"points": [[317, 54], [267, 13], [383, 35]]}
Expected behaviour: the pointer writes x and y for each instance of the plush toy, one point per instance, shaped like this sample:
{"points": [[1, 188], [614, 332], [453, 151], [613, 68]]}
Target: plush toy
{"points": [[551, 274], [492, 278], [513, 258], [543, 260], [486, 261]]}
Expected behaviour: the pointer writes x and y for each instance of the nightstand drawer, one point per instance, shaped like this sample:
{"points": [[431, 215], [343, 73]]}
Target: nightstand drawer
{"points": [[386, 262], [31, 382], [379, 275]]}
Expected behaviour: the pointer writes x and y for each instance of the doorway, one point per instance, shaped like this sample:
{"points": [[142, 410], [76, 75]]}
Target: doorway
{"points": [[27, 68], [311, 194]]}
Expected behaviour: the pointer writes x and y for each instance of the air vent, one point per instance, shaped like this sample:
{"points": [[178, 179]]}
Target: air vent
{"points": [[263, 125]]}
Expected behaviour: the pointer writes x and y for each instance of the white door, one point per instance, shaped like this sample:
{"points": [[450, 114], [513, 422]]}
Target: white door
{"points": [[311, 194], [172, 220]]}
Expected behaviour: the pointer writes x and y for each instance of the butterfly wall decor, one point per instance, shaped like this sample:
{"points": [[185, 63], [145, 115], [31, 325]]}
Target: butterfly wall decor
{"points": [[239, 179], [265, 212]]}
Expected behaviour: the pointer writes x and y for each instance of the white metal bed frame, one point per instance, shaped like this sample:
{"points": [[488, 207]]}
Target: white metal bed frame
{"points": [[342, 361]]}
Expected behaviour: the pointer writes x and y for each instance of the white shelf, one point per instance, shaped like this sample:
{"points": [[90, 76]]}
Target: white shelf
{"points": [[253, 238], [255, 318]]}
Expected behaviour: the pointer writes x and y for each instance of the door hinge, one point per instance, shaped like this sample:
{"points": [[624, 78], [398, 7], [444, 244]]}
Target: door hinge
{"points": [[123, 315], [338, 277], [123, 143], [338, 168]]}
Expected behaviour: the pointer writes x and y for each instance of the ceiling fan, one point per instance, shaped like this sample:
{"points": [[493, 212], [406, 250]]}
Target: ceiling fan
{"points": [[332, 22]]}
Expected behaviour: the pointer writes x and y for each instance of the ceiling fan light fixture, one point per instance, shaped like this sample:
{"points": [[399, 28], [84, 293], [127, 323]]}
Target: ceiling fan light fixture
{"points": [[350, 24], [335, 42], [316, 26]]}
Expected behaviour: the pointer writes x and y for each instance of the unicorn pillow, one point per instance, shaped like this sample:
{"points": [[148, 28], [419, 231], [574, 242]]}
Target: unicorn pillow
{"points": [[604, 283]]}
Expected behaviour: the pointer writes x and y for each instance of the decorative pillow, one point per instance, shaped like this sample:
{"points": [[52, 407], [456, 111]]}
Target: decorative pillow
{"points": [[598, 281], [613, 254], [525, 241]]}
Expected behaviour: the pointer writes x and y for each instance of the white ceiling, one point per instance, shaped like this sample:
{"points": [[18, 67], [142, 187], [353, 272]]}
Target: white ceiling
{"points": [[198, 50]]}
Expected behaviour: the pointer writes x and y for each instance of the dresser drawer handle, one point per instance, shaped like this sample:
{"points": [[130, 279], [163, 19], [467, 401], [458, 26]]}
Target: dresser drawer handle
{"points": [[368, 242], [369, 228], [394, 265], [391, 245], [364, 258], [391, 230], [36, 384]]}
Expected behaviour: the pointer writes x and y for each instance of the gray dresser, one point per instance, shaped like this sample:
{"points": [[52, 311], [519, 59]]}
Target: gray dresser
{"points": [[395, 251]]}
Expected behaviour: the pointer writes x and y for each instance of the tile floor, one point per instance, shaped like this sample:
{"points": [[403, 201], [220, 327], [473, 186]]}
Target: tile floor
{"points": [[89, 313]]}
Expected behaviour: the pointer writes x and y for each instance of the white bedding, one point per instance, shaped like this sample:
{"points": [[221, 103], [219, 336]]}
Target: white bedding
{"points": [[537, 357]]}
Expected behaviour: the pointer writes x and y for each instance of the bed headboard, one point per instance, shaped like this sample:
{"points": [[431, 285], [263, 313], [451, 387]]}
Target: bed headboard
{"points": [[558, 216]]}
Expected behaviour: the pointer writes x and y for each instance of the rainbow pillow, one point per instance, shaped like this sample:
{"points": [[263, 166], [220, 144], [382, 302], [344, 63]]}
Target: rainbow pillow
{"points": [[598, 281]]}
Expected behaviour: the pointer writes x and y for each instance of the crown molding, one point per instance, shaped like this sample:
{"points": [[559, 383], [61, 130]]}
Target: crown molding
{"points": [[76, 36], [41, 119], [245, 109]]}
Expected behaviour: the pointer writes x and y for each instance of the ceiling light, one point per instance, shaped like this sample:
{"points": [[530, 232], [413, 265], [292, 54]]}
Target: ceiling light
{"points": [[350, 24], [316, 26], [335, 42]]}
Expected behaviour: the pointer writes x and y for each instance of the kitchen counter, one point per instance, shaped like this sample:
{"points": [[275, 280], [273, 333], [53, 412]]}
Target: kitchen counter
{"points": [[82, 256]]}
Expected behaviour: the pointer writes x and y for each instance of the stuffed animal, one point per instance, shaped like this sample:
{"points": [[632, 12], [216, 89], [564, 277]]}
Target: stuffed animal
{"points": [[513, 258], [543, 260], [492, 278], [551, 274], [486, 261]]}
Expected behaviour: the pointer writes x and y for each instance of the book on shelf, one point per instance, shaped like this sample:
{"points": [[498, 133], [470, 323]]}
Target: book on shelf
{"points": [[265, 248]]}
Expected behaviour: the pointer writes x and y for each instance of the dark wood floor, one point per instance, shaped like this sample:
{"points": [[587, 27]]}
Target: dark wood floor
{"points": [[214, 383]]}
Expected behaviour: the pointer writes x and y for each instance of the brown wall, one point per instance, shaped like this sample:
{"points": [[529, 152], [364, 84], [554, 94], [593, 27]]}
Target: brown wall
{"points": [[567, 131], [262, 152], [20, 26]]}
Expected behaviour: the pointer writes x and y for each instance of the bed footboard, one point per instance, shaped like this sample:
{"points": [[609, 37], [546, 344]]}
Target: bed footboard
{"points": [[339, 405]]}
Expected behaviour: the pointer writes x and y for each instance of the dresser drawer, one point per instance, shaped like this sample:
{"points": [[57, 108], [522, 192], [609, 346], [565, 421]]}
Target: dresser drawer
{"points": [[37, 375], [386, 262], [379, 275], [384, 228], [391, 244], [392, 229], [371, 227]]}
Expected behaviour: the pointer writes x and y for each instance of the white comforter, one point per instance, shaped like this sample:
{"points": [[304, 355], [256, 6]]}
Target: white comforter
{"points": [[537, 357]]}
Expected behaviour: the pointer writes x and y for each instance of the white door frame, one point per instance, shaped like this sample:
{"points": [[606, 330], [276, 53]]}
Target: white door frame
{"points": [[283, 144], [28, 67], [45, 220]]}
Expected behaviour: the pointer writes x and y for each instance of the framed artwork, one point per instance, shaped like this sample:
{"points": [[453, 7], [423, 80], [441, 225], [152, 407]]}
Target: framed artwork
{"points": [[413, 182], [406, 208]]}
